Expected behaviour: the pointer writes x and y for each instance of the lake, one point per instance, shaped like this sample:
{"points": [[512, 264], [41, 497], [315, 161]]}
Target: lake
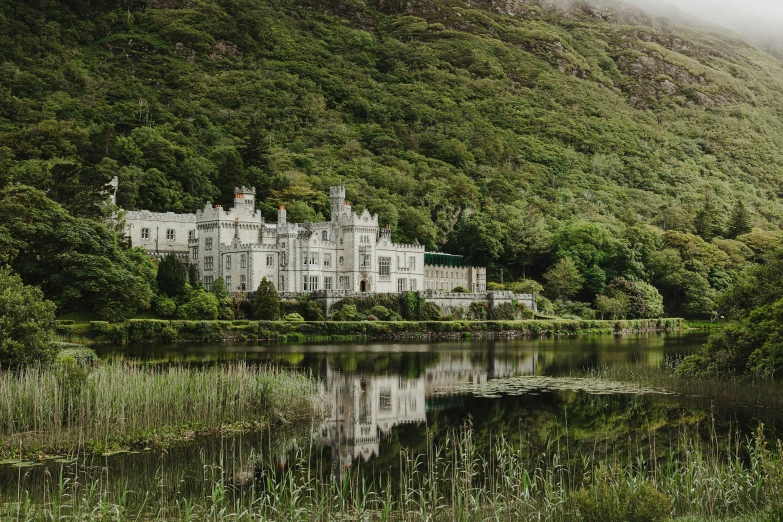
{"points": [[381, 398]]}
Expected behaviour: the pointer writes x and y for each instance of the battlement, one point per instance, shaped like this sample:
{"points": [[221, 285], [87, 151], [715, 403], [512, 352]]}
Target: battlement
{"points": [[170, 217]]}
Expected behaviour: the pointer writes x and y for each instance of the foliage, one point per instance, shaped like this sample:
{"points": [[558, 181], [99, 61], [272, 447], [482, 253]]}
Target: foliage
{"points": [[218, 288], [226, 310], [739, 221], [514, 139], [459, 290], [525, 286], [613, 307], [77, 262], [165, 307], [172, 276], [753, 342], [266, 303], [620, 501], [294, 318], [200, 305], [26, 322], [563, 279]]}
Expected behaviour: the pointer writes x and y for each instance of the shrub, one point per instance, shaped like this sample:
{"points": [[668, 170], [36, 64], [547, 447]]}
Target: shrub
{"points": [[201, 305], [226, 309], [503, 312], [459, 290], [165, 307], [294, 318], [623, 502], [81, 355]]}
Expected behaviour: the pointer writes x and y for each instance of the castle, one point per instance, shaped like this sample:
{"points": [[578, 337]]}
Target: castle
{"points": [[349, 254]]}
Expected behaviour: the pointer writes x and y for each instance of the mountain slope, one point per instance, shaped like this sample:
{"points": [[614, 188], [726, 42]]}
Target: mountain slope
{"points": [[429, 111]]}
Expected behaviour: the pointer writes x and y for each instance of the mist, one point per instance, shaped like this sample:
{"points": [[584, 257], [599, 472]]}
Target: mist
{"points": [[757, 20]]}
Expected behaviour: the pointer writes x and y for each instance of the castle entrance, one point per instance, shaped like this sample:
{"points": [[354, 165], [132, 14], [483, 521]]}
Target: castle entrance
{"points": [[363, 286]]}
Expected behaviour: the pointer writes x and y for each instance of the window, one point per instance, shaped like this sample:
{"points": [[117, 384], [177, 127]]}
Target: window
{"points": [[209, 263], [191, 234], [228, 262], [327, 283], [242, 260], [195, 252], [228, 283], [242, 283], [414, 286], [345, 283], [145, 233], [305, 258], [402, 285], [325, 236], [207, 282], [313, 283], [281, 285], [283, 259], [385, 400], [313, 258], [366, 261], [170, 234], [208, 243], [270, 260], [412, 263], [327, 260], [384, 268], [341, 260]]}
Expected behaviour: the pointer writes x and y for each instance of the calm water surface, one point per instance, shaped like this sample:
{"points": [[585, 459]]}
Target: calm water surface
{"points": [[381, 397]]}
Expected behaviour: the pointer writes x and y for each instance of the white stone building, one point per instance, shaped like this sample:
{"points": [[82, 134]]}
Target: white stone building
{"points": [[349, 254]]}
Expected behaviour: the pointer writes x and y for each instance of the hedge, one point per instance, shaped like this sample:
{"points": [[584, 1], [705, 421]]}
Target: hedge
{"points": [[159, 330]]}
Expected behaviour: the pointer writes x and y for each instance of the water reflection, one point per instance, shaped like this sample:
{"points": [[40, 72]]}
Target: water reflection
{"points": [[381, 397]]}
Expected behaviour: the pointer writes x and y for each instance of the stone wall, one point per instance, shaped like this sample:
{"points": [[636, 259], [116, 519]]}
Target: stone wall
{"points": [[453, 303]]}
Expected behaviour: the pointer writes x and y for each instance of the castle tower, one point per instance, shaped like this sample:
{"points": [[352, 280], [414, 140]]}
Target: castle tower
{"points": [[337, 195], [281, 215], [245, 198]]}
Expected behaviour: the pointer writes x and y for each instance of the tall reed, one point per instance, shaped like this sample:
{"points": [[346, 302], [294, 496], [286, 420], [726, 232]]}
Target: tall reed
{"points": [[451, 481], [43, 408]]}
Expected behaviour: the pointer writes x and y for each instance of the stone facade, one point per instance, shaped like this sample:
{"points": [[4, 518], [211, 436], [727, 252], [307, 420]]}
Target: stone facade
{"points": [[351, 253]]}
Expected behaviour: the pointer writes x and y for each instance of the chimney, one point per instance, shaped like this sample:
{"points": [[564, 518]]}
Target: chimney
{"points": [[281, 215]]}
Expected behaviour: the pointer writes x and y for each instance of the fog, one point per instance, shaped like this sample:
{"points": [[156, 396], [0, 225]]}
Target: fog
{"points": [[755, 19]]}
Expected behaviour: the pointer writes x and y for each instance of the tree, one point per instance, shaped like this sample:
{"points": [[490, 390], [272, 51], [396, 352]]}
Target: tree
{"points": [[77, 262], [193, 276], [563, 279], [201, 305], [525, 286], [707, 220], [612, 306], [26, 322], [218, 288], [739, 221], [172, 276], [266, 306]]}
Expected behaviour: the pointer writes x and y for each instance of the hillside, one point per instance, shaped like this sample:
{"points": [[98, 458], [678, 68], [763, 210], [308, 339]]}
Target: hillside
{"points": [[492, 128]]}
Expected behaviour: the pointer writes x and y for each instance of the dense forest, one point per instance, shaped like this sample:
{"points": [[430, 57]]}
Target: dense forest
{"points": [[597, 151]]}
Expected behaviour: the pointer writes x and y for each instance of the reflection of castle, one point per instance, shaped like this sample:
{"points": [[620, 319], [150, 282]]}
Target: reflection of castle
{"points": [[361, 410]]}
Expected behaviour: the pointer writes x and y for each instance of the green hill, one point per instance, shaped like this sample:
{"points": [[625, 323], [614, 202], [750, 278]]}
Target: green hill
{"points": [[496, 129]]}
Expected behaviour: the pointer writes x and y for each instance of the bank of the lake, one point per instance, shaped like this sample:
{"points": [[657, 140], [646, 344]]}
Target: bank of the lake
{"points": [[158, 330]]}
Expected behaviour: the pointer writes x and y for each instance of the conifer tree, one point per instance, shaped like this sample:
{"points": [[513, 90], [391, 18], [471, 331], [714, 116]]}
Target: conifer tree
{"points": [[739, 222], [707, 220], [172, 276], [266, 306]]}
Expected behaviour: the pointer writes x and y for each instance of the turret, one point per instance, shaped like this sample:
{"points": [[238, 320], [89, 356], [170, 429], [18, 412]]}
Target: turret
{"points": [[245, 198], [281, 215], [337, 195]]}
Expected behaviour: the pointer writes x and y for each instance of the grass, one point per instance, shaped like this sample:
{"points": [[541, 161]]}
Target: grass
{"points": [[54, 410], [700, 479]]}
